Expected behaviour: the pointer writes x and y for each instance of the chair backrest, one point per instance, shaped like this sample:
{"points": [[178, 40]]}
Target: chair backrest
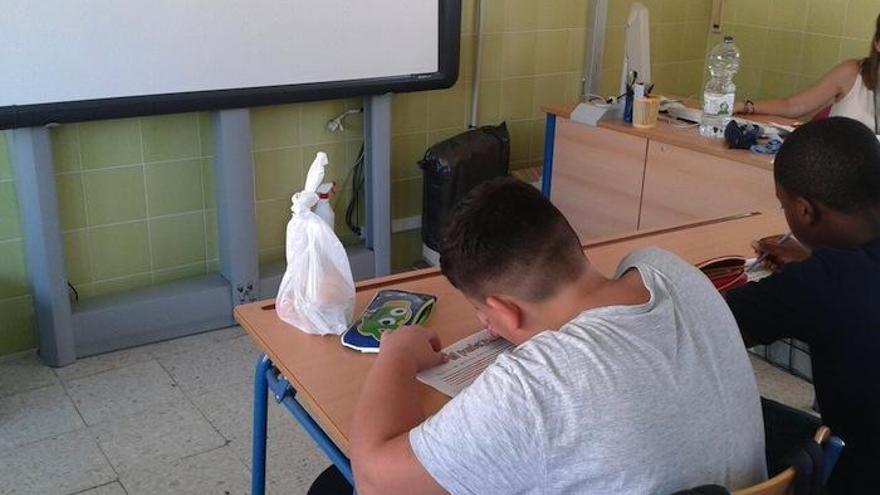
{"points": [[782, 483]]}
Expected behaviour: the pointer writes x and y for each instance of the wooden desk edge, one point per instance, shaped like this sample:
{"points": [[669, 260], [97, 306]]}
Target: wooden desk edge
{"points": [[614, 239], [745, 157]]}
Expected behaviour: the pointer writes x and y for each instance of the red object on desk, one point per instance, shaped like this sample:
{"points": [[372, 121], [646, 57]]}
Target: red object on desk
{"points": [[726, 272]]}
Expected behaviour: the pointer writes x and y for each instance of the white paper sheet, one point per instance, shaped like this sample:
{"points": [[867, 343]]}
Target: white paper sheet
{"points": [[758, 272], [467, 359]]}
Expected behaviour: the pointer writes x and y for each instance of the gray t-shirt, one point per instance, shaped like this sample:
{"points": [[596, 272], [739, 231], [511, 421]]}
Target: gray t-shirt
{"points": [[645, 399]]}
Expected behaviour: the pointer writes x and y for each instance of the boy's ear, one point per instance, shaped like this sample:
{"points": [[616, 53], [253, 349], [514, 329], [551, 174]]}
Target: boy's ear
{"points": [[506, 312], [806, 210]]}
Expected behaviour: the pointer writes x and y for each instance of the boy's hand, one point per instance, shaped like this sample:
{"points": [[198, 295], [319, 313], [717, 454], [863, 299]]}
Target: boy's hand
{"points": [[777, 255], [417, 345]]}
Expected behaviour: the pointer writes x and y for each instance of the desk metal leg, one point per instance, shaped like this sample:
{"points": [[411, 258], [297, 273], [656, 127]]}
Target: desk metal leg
{"points": [[258, 454], [547, 169], [266, 379]]}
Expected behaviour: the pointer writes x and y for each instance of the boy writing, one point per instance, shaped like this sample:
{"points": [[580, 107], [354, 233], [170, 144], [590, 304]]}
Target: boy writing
{"points": [[827, 291], [635, 384]]}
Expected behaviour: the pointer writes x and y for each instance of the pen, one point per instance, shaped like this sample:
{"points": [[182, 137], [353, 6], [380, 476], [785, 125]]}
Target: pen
{"points": [[763, 256]]}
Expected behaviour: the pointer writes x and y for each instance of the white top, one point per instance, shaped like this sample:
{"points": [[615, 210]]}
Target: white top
{"points": [[857, 104], [644, 399]]}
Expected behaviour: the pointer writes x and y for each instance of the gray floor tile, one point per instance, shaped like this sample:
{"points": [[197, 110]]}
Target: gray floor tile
{"points": [[192, 343], [22, 372], [122, 392], [60, 465], [104, 362], [229, 409], [292, 470], [109, 489], [165, 432], [36, 414], [781, 386], [294, 461], [210, 473], [214, 366]]}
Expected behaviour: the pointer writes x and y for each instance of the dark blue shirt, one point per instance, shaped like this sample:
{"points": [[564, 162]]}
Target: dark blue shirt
{"points": [[832, 302]]}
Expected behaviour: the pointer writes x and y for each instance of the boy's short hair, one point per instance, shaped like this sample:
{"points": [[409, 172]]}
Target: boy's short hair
{"points": [[834, 161], [504, 237]]}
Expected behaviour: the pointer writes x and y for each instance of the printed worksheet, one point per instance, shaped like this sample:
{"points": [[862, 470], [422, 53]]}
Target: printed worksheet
{"points": [[467, 359], [758, 272]]}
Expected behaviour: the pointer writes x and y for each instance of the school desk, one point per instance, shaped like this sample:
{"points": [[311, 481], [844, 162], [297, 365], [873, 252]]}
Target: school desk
{"points": [[318, 380], [614, 178]]}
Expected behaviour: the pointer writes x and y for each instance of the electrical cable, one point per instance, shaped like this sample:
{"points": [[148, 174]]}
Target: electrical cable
{"points": [[352, 211]]}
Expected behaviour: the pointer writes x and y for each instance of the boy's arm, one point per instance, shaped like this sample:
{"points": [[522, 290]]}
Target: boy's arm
{"points": [[388, 408], [776, 307]]}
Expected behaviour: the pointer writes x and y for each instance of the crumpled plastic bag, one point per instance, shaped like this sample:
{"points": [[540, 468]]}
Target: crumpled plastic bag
{"points": [[317, 292]]}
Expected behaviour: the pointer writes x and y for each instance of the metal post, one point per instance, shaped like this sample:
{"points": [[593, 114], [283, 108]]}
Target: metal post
{"points": [[38, 208], [258, 454], [236, 210], [549, 143], [378, 180]]}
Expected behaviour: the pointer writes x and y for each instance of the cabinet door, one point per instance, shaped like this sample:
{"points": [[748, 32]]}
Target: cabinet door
{"points": [[683, 185], [597, 178]]}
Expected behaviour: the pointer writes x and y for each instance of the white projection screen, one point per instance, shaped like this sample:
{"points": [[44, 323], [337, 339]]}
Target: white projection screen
{"points": [[73, 60]]}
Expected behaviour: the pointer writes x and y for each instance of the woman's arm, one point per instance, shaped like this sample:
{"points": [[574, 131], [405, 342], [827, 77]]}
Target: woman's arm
{"points": [[832, 87]]}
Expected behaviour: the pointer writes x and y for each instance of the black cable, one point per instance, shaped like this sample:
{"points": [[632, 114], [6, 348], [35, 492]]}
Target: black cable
{"points": [[352, 212], [75, 292]]}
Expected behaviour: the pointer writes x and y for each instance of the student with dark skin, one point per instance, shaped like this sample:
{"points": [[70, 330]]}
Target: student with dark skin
{"points": [[826, 289]]}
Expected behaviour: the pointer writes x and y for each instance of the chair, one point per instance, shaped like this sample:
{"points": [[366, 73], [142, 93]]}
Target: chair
{"points": [[782, 483]]}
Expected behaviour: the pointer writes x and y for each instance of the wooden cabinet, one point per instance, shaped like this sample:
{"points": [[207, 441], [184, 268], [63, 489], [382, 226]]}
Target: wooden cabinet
{"points": [[682, 185], [597, 178]]}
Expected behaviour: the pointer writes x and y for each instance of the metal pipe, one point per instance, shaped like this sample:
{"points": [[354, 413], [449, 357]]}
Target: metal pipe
{"points": [[478, 61]]}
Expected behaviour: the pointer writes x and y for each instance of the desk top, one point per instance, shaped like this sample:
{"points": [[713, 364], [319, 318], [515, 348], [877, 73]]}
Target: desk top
{"points": [[689, 137], [328, 377]]}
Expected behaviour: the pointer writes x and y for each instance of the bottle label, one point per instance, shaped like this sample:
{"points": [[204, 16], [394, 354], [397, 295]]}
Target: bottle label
{"points": [[720, 105]]}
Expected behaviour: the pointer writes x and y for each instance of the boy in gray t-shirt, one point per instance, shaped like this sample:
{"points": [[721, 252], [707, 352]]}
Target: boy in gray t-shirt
{"points": [[638, 384]]}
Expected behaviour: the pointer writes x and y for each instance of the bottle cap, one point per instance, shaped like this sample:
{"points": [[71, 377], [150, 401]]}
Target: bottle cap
{"points": [[728, 39]]}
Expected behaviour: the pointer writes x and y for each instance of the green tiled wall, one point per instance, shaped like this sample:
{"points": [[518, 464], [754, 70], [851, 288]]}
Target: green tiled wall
{"points": [[679, 29], [135, 202], [787, 45], [136, 195], [16, 305]]}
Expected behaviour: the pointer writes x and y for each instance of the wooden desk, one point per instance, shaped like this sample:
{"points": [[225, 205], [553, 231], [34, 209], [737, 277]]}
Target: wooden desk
{"points": [[328, 377], [614, 178]]}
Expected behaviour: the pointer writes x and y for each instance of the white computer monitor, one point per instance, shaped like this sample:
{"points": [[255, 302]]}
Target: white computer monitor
{"points": [[637, 55]]}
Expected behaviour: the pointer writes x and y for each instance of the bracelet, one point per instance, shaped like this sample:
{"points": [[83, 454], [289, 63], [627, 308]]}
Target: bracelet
{"points": [[750, 107]]}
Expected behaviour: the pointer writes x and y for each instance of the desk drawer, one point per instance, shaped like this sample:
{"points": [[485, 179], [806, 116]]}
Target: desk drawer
{"points": [[597, 178], [684, 186]]}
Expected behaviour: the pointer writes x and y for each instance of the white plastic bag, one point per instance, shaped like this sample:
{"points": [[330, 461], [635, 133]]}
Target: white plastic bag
{"points": [[317, 292]]}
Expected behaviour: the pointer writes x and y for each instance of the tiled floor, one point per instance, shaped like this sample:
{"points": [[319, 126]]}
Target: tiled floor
{"points": [[169, 418]]}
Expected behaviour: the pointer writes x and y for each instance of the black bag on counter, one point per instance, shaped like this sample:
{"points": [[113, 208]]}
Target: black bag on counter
{"points": [[453, 167]]}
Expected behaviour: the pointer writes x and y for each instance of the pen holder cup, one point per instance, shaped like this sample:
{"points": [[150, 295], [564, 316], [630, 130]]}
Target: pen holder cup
{"points": [[645, 111]]}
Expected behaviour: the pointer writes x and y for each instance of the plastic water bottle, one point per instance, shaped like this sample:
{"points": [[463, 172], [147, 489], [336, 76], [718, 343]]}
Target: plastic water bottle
{"points": [[323, 209], [720, 91]]}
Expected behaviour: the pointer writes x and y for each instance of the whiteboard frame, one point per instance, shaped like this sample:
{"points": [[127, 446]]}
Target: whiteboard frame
{"points": [[17, 116]]}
